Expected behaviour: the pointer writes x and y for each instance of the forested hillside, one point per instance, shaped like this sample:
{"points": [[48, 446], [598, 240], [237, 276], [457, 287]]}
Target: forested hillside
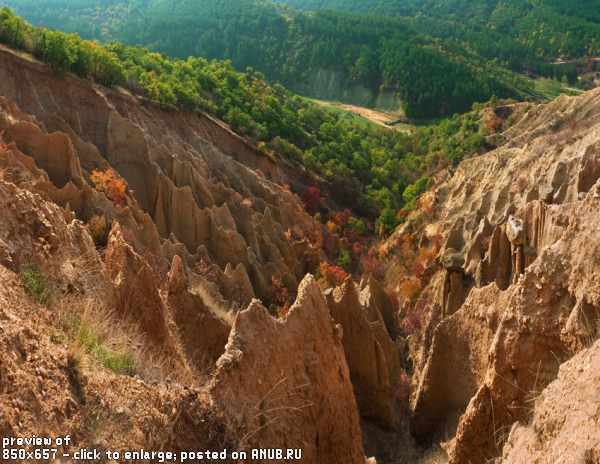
{"points": [[362, 59], [546, 28], [372, 170]]}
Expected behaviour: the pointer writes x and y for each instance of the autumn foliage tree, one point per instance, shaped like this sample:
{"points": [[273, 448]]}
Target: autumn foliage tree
{"points": [[413, 320], [112, 185], [312, 199], [492, 122], [334, 275], [372, 264]]}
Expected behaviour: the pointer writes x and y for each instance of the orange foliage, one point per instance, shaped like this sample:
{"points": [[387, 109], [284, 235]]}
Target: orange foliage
{"points": [[424, 260], [341, 218], [283, 311], [426, 254], [112, 185], [410, 288], [331, 227], [334, 275], [402, 214], [417, 261], [99, 229]]}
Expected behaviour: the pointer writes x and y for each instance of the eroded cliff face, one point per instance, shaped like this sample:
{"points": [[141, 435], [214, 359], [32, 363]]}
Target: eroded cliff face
{"points": [[373, 357], [513, 292], [564, 425], [121, 313], [45, 388], [302, 397], [200, 185]]}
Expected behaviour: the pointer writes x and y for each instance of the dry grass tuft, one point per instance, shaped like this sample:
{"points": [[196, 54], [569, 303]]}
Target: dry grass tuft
{"points": [[97, 338]]}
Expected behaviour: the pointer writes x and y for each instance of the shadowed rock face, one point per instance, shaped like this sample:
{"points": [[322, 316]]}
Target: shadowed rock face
{"points": [[303, 396], [203, 333], [516, 292], [372, 356]]}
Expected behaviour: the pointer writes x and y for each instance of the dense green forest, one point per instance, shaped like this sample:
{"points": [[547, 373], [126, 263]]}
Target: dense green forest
{"points": [[546, 28], [435, 67], [373, 170]]}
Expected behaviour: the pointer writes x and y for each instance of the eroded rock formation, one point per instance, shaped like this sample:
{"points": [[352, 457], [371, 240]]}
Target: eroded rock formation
{"points": [[564, 426], [516, 293], [203, 330], [197, 234], [509, 307], [303, 396], [45, 388], [372, 355], [200, 184]]}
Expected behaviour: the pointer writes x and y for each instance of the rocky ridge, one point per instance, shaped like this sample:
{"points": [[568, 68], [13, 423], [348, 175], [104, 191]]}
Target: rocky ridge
{"points": [[194, 181], [513, 292]]}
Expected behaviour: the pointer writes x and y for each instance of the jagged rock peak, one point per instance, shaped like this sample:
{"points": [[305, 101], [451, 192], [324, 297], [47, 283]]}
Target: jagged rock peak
{"points": [[304, 390]]}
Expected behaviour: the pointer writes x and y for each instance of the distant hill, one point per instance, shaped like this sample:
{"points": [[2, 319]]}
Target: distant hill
{"points": [[430, 57], [549, 28], [360, 59]]}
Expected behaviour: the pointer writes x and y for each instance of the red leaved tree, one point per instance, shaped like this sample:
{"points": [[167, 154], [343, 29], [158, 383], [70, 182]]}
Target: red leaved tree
{"points": [[312, 199], [334, 275]]}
